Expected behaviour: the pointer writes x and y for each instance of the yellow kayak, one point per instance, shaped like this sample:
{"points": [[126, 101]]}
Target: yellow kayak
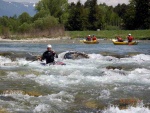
{"points": [[89, 42], [124, 43]]}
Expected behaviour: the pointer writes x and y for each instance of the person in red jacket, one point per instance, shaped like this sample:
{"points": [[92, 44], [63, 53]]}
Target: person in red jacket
{"points": [[119, 39], [88, 38], [130, 38], [94, 38]]}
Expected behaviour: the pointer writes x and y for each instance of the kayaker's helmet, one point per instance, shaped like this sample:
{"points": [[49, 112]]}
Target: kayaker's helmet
{"points": [[49, 46], [89, 35], [129, 34]]}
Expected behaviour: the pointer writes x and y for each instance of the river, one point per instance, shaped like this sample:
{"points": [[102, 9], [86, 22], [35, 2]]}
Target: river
{"points": [[95, 85]]}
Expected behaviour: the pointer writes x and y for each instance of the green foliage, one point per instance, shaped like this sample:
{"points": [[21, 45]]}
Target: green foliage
{"points": [[142, 14], [24, 18], [91, 16], [110, 34], [78, 17], [5, 32], [129, 17], [56, 8], [109, 27], [120, 9], [10, 23], [45, 23], [41, 14], [53, 15], [25, 28], [137, 15]]}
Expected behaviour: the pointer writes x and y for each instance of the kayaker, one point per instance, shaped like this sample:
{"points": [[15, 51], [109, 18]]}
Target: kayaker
{"points": [[88, 38], [49, 55], [94, 38], [130, 38], [119, 39]]}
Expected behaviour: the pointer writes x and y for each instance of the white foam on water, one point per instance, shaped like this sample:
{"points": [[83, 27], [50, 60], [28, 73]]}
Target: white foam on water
{"points": [[139, 76], [140, 58], [4, 60], [54, 102], [42, 108], [47, 103], [84, 71], [138, 109], [104, 94], [100, 57]]}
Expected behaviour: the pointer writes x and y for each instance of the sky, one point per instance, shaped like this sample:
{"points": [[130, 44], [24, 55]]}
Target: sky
{"points": [[108, 2]]}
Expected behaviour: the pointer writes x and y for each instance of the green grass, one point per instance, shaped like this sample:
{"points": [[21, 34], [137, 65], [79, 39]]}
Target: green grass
{"points": [[109, 34]]}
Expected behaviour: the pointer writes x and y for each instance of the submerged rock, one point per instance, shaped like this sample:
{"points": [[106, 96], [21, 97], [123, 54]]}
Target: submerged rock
{"points": [[94, 105], [75, 55], [2, 73], [7, 98], [14, 55], [127, 67], [123, 103], [129, 54], [30, 93], [3, 110], [14, 92], [113, 67], [33, 93], [112, 54]]}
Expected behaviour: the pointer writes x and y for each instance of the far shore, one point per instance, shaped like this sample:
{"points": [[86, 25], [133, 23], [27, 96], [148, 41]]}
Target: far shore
{"points": [[35, 40]]}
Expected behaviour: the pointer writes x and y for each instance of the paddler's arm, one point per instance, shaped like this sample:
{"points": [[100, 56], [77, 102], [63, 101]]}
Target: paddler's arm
{"points": [[41, 57], [56, 55]]}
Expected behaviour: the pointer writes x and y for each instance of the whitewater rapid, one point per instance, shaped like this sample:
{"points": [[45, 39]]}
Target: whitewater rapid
{"points": [[70, 87]]}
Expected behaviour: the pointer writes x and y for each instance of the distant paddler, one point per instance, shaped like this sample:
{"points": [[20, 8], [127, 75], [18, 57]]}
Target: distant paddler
{"points": [[130, 38], [94, 38], [88, 38], [119, 39]]}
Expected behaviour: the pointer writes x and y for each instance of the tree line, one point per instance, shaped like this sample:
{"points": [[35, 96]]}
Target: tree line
{"points": [[53, 17]]}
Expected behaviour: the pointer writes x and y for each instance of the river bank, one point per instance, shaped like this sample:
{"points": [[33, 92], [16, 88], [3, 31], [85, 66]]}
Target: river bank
{"points": [[59, 40]]}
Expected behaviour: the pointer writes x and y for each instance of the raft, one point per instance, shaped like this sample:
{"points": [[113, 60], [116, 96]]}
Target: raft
{"points": [[115, 42], [89, 42]]}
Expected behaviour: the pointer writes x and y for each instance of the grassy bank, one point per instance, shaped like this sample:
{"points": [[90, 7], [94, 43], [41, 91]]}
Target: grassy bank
{"points": [[109, 34]]}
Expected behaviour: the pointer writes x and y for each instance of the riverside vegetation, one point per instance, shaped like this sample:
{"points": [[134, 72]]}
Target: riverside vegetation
{"points": [[109, 34], [103, 34], [79, 20]]}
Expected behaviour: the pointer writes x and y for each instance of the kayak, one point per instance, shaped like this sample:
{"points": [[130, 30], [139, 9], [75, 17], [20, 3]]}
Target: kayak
{"points": [[115, 42], [89, 42], [54, 63]]}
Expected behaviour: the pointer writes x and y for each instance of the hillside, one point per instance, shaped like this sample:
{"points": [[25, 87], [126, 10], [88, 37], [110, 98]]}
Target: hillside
{"points": [[16, 8]]}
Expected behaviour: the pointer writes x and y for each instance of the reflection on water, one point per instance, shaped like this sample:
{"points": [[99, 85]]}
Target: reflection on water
{"points": [[113, 78]]}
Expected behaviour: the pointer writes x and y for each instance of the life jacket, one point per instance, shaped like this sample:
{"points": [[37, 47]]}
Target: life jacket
{"points": [[119, 39], [130, 38], [49, 56], [94, 38], [89, 38]]}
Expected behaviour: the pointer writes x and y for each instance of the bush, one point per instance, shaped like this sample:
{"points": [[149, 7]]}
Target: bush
{"points": [[109, 27]]}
